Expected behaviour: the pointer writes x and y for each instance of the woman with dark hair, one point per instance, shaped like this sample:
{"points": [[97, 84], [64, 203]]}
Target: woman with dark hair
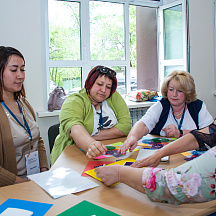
{"points": [[20, 139], [97, 112], [175, 115]]}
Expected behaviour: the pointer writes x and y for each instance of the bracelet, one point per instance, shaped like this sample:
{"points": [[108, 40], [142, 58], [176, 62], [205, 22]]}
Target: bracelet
{"points": [[181, 133]]}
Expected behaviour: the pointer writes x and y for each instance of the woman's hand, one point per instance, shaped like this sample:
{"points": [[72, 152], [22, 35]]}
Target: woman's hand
{"points": [[151, 161], [95, 149], [130, 143], [109, 174], [44, 169], [171, 131]]}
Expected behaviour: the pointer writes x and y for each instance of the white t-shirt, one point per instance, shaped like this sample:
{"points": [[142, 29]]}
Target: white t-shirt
{"points": [[108, 117], [152, 116]]}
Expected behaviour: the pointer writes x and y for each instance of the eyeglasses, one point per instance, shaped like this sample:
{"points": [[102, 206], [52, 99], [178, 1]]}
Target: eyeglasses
{"points": [[106, 70]]}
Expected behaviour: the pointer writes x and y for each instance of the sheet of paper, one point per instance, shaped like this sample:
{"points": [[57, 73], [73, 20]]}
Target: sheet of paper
{"points": [[120, 162], [154, 142], [93, 164], [62, 181], [186, 153], [17, 212], [37, 208], [113, 152], [86, 208], [144, 153]]}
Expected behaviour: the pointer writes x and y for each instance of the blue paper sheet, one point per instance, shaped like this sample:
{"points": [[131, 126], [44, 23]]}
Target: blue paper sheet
{"points": [[38, 208]]}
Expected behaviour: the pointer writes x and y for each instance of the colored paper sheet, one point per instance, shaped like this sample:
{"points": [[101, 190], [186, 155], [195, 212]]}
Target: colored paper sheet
{"points": [[186, 153], [93, 164], [154, 143], [190, 155], [114, 152], [62, 181], [117, 144], [120, 162], [86, 208], [38, 208], [100, 157]]}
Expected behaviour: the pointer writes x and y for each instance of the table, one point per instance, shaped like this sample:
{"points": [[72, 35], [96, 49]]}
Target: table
{"points": [[120, 198]]}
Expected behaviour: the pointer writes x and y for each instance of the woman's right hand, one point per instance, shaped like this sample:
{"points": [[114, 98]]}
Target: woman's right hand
{"points": [[95, 149], [130, 143], [151, 161]]}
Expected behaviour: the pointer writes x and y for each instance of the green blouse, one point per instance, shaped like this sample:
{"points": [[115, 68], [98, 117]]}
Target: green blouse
{"points": [[77, 109]]}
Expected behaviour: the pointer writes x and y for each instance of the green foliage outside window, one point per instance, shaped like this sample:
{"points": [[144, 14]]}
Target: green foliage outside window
{"points": [[107, 38]]}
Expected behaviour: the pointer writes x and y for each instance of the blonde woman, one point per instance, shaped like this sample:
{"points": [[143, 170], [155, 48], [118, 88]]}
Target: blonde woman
{"points": [[176, 114]]}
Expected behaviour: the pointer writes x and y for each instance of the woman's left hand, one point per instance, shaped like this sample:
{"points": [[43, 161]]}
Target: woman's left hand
{"points": [[171, 131], [109, 174]]}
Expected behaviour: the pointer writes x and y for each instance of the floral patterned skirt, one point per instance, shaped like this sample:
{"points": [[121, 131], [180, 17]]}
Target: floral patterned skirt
{"points": [[192, 182]]}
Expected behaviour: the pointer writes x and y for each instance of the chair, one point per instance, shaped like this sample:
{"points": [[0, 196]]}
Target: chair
{"points": [[53, 131]]}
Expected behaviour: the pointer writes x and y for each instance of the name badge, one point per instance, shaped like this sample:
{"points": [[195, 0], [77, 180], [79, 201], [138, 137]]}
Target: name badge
{"points": [[32, 163]]}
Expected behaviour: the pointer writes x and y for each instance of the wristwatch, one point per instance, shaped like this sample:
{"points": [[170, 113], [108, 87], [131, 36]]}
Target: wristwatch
{"points": [[181, 133]]}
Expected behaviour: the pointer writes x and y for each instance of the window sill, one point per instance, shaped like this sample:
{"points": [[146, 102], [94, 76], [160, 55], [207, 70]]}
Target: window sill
{"points": [[130, 104], [42, 114]]}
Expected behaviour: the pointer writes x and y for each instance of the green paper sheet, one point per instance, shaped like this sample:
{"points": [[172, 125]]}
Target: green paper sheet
{"points": [[86, 208]]}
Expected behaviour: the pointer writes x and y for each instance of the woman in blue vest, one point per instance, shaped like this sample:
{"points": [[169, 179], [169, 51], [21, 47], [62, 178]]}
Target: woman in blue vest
{"points": [[176, 114]]}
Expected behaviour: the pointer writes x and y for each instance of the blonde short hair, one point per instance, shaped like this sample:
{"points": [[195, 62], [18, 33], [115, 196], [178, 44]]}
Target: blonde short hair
{"points": [[183, 81]]}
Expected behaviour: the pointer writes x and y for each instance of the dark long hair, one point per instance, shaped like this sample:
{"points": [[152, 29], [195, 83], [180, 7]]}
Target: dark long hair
{"points": [[5, 54], [95, 73]]}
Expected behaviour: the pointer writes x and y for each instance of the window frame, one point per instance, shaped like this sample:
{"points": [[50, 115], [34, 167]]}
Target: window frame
{"points": [[173, 62], [214, 8], [85, 62]]}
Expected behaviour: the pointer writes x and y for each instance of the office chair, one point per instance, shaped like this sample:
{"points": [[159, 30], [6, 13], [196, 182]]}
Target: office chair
{"points": [[53, 131]]}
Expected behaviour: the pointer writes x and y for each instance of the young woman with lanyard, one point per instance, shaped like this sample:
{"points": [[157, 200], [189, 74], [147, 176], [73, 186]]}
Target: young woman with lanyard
{"points": [[176, 114], [22, 150]]}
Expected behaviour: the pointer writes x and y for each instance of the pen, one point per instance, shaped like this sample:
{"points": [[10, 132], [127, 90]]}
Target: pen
{"points": [[207, 146]]}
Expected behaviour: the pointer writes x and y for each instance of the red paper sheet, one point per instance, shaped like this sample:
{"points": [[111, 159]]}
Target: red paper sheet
{"points": [[92, 164]]}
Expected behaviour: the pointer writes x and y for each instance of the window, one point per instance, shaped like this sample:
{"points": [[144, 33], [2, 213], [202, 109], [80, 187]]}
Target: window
{"points": [[64, 45], [172, 39], [83, 34]]}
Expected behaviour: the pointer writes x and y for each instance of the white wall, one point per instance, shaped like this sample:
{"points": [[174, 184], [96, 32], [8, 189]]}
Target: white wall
{"points": [[22, 26], [201, 21]]}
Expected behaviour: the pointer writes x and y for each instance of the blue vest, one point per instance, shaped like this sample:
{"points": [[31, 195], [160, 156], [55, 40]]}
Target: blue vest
{"points": [[193, 108]]}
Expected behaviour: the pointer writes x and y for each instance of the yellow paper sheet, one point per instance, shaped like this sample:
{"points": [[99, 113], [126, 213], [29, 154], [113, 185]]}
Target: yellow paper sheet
{"points": [[121, 162], [186, 153], [119, 144]]}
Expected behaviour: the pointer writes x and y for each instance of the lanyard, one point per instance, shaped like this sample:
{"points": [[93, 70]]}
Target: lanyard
{"points": [[25, 127], [101, 119], [182, 118]]}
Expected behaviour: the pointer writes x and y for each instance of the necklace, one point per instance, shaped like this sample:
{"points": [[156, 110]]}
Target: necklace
{"points": [[180, 112]]}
